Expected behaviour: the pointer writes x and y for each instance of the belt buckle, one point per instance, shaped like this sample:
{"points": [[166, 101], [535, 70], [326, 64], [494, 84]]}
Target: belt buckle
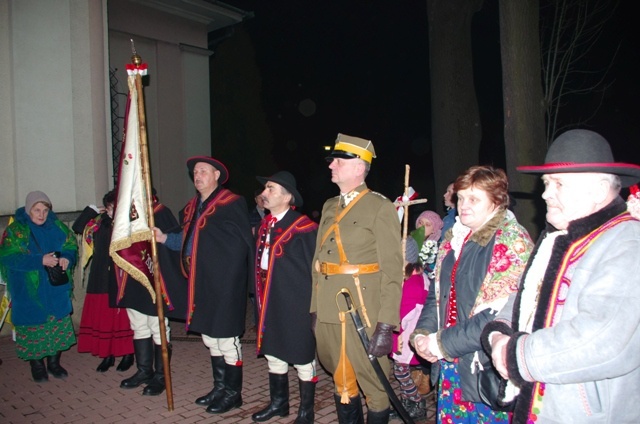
{"points": [[323, 268]]}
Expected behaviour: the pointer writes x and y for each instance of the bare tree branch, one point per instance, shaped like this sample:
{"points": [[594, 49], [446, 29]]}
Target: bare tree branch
{"points": [[570, 30]]}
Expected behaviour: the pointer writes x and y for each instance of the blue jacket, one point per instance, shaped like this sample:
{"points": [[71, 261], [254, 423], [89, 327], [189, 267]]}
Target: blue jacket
{"points": [[447, 222], [33, 298]]}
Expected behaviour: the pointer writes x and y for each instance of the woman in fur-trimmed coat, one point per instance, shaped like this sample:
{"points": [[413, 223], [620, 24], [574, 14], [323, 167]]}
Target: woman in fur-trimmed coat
{"points": [[478, 266]]}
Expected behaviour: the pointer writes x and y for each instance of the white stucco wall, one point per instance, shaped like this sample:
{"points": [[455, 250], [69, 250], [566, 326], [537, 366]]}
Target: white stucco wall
{"points": [[53, 103]]}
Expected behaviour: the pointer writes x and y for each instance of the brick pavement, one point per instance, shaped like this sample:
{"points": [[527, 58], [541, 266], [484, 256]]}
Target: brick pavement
{"points": [[87, 396]]}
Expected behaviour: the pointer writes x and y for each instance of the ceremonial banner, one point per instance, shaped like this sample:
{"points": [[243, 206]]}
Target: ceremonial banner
{"points": [[131, 238]]}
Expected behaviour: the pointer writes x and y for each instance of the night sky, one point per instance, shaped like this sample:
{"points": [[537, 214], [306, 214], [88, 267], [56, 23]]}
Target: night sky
{"points": [[362, 68]]}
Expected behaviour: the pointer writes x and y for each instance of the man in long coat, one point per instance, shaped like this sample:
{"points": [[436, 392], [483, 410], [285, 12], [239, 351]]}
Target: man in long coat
{"points": [[285, 244], [568, 340], [358, 248], [216, 247]]}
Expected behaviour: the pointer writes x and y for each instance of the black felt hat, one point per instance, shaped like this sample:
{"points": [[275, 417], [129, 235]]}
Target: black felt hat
{"points": [[583, 151], [224, 174], [286, 180]]}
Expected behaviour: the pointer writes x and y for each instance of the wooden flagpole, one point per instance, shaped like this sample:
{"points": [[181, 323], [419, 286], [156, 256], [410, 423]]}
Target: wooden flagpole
{"points": [[144, 155]]}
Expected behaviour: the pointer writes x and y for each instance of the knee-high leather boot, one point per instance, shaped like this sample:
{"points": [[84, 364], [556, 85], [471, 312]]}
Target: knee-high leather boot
{"points": [[378, 417], [54, 367], [349, 413], [217, 365], [307, 397], [232, 395], [158, 383], [279, 394], [38, 370], [143, 349]]}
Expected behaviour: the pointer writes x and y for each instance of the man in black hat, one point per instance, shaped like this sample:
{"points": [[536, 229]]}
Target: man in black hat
{"points": [[285, 243], [217, 253], [568, 340], [358, 249]]}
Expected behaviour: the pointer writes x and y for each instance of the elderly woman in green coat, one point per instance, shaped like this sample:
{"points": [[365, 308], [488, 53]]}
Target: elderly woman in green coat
{"points": [[40, 310]]}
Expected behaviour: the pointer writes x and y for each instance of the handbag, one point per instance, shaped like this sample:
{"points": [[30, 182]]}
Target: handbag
{"points": [[489, 384], [57, 276]]}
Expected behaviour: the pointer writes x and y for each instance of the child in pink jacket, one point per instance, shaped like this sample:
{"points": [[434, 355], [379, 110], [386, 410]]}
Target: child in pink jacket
{"points": [[414, 295]]}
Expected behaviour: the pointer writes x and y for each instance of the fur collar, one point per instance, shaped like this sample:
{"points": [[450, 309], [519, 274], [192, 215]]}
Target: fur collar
{"points": [[577, 229], [485, 234]]}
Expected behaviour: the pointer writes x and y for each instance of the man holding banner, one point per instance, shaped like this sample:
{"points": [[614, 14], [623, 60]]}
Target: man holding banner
{"points": [[131, 247], [216, 247], [143, 314]]}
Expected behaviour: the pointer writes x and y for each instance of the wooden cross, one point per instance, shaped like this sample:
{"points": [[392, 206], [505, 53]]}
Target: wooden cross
{"points": [[405, 205]]}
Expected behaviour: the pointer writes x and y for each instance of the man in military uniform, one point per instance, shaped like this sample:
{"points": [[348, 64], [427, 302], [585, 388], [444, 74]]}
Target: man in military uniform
{"points": [[359, 249]]}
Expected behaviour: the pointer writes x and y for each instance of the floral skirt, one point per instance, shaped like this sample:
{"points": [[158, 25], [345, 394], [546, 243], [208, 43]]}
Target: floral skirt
{"points": [[39, 341], [452, 409]]}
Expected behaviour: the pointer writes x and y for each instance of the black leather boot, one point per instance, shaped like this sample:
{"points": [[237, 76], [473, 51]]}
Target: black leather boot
{"points": [[232, 395], [125, 363], [157, 384], [143, 349], [53, 365], [38, 370], [217, 365], [106, 364], [378, 417], [279, 394], [349, 413], [307, 397], [416, 410]]}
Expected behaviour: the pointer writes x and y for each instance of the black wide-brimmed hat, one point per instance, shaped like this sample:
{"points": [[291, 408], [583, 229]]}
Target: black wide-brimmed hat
{"points": [[286, 180], [583, 151], [224, 174]]}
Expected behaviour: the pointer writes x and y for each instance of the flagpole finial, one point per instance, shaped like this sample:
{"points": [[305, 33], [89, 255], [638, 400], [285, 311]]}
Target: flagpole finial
{"points": [[135, 58]]}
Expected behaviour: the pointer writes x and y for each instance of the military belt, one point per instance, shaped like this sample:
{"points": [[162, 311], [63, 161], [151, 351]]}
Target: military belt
{"points": [[327, 268]]}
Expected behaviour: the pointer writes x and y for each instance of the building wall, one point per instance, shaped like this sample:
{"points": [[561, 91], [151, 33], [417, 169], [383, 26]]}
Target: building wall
{"points": [[176, 90], [53, 107]]}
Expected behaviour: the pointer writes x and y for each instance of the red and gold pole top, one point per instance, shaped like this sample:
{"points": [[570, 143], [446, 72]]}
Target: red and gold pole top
{"points": [[136, 66]]}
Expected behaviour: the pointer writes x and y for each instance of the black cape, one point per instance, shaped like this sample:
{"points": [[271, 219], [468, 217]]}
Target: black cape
{"points": [[284, 321], [221, 258], [136, 295]]}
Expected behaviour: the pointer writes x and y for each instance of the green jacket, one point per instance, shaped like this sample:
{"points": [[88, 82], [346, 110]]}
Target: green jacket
{"points": [[370, 233]]}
